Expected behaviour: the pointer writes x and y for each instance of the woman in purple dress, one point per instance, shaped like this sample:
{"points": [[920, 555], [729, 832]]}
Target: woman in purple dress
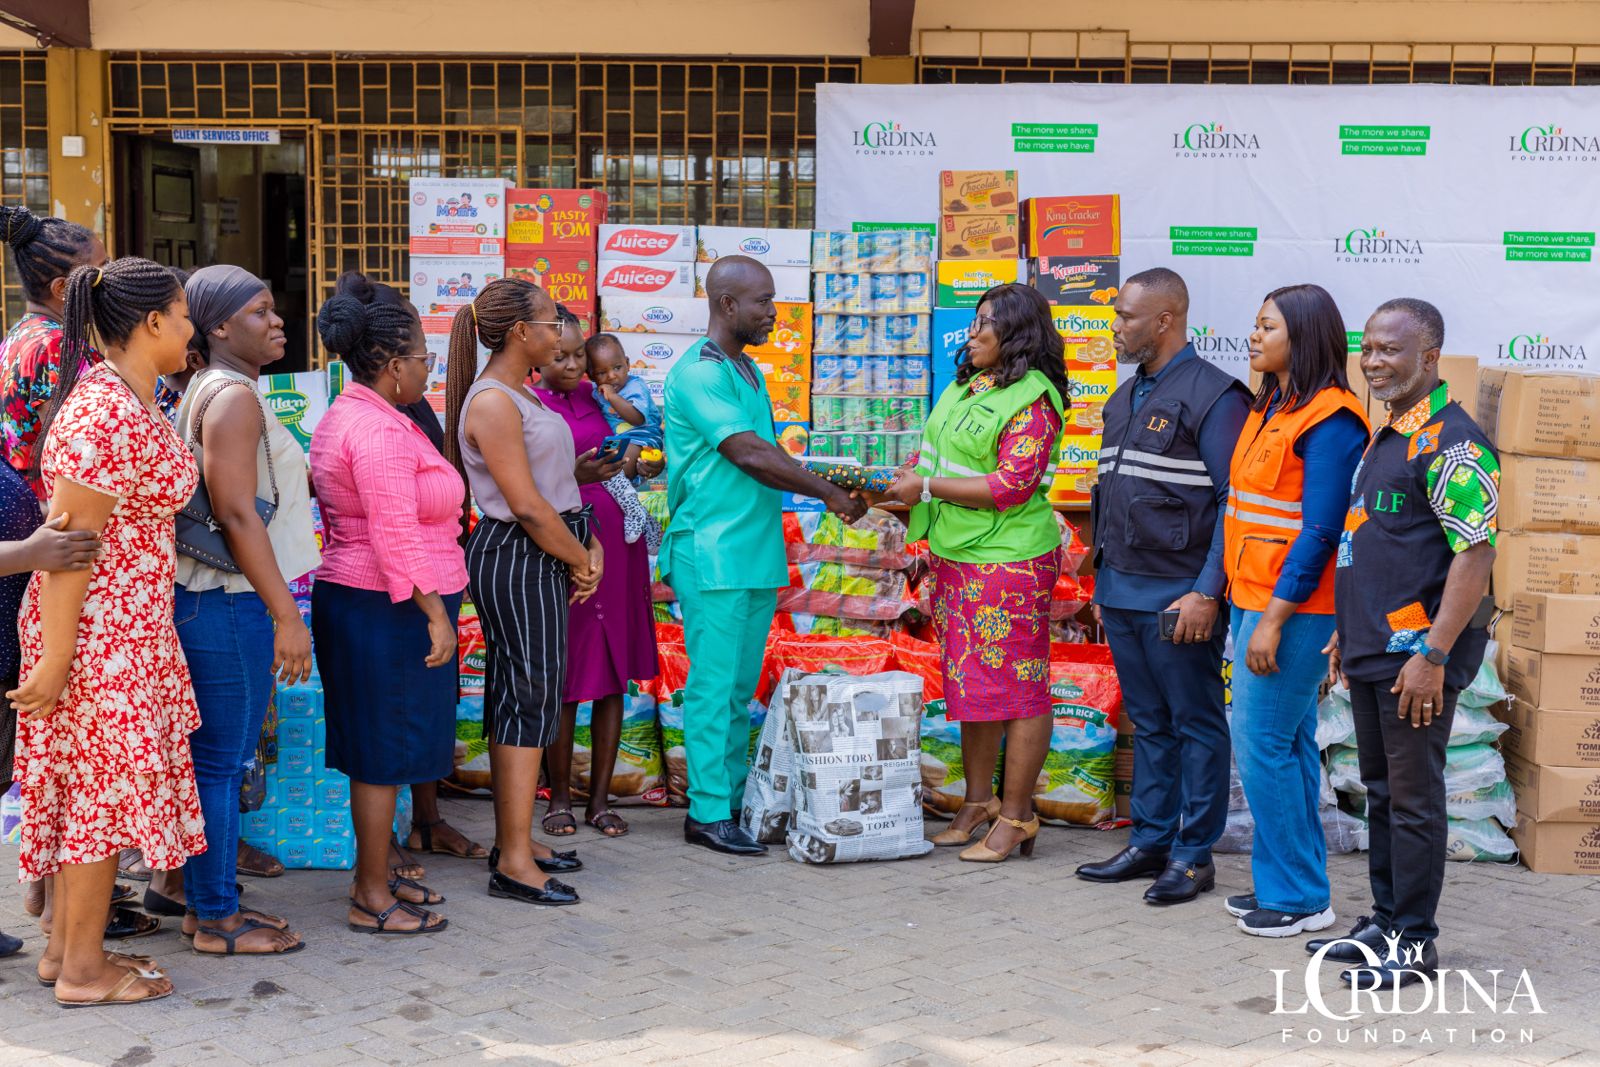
{"points": [[612, 636]]}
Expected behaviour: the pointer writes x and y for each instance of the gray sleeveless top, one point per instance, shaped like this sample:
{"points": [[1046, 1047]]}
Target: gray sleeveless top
{"points": [[551, 455]]}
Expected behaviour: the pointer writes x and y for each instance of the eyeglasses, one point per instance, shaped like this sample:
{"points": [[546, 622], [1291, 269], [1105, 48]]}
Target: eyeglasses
{"points": [[976, 326], [540, 322], [430, 360]]}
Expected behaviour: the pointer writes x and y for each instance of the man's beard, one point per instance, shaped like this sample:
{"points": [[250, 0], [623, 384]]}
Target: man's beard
{"points": [[1139, 356], [1400, 386]]}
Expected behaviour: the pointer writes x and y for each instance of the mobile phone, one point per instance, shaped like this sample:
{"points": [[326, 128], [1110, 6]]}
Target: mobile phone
{"points": [[612, 449], [1169, 624]]}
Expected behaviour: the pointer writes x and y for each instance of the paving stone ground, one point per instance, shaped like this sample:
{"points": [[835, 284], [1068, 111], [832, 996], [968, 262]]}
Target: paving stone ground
{"points": [[680, 956]]}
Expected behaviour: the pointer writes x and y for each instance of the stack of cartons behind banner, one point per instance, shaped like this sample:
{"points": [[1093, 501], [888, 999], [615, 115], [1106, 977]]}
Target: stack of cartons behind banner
{"points": [[1546, 427]]}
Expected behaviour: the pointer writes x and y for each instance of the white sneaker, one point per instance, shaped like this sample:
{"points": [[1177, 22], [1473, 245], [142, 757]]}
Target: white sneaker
{"points": [[1267, 923]]}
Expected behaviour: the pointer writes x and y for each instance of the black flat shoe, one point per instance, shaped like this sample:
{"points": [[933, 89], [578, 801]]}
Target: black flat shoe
{"points": [[552, 894], [125, 924], [724, 836], [1418, 960], [1125, 866], [1181, 882], [9, 946], [558, 863], [1365, 931]]}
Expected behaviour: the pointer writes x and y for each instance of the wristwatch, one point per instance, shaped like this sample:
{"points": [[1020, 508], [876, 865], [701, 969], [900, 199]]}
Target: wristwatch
{"points": [[927, 490], [1203, 596], [1437, 657]]}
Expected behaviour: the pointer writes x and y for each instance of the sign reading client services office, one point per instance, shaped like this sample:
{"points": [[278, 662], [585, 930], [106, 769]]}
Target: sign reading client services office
{"points": [[235, 135]]}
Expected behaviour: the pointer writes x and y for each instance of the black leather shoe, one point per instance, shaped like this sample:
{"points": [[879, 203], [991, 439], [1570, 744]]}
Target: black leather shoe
{"points": [[1125, 866], [1181, 882], [724, 836], [558, 863], [1365, 931], [552, 894], [1418, 959]]}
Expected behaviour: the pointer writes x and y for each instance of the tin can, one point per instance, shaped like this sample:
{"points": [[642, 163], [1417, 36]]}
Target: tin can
{"points": [[915, 293], [826, 247], [916, 251], [857, 335], [883, 294], [856, 412], [885, 251], [827, 412], [847, 445], [827, 373], [880, 371], [916, 375], [853, 375], [874, 449], [821, 441], [882, 337], [876, 415], [836, 292]]}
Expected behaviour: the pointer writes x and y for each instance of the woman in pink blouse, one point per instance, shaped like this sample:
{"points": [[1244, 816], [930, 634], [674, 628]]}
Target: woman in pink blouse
{"points": [[386, 598]]}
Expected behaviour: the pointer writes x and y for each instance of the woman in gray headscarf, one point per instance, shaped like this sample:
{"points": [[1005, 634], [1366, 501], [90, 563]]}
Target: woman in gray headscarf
{"points": [[241, 632]]}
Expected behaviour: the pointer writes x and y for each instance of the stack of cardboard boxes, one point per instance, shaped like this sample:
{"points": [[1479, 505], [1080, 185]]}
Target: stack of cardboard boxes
{"points": [[1546, 428], [551, 237], [1553, 745], [979, 245]]}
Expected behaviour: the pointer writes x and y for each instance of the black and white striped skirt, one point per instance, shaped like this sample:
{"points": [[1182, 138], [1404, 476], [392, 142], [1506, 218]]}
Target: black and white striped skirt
{"points": [[521, 593]]}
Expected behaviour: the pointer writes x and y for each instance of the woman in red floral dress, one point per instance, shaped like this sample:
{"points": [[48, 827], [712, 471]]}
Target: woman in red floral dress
{"points": [[105, 706]]}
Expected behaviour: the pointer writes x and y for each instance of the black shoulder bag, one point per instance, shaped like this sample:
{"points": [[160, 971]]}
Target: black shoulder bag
{"points": [[199, 534]]}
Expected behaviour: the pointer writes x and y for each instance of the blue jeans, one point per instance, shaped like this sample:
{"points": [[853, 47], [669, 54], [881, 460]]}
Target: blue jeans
{"points": [[1275, 742], [1173, 694], [227, 639]]}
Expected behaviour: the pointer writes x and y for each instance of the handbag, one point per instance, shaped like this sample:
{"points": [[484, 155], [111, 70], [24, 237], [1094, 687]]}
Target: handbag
{"points": [[199, 534]]}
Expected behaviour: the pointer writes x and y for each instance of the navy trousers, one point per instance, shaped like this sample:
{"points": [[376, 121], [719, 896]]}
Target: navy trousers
{"points": [[1181, 751]]}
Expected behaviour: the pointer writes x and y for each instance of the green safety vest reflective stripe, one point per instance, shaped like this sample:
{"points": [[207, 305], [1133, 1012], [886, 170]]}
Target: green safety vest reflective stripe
{"points": [[962, 440]]}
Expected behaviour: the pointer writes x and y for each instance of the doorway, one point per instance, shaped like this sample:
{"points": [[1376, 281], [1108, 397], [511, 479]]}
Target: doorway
{"points": [[191, 206]]}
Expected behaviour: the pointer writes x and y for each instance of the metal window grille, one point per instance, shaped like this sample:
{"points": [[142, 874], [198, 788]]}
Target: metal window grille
{"points": [[24, 156]]}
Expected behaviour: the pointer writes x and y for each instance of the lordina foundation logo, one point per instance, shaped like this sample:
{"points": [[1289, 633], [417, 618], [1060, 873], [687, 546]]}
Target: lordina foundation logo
{"points": [[1212, 140], [893, 139], [1376, 245], [1554, 144]]}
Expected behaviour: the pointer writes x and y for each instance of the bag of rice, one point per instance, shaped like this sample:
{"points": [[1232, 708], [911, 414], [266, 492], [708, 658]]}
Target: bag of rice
{"points": [[1478, 841], [858, 790], [639, 776], [1076, 786], [1496, 802]]}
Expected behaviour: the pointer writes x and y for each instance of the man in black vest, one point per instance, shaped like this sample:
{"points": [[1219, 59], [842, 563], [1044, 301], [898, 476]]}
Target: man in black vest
{"points": [[1157, 515], [1413, 564]]}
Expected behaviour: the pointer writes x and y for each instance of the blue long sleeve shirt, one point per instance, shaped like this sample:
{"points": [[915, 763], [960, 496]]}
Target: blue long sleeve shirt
{"points": [[1218, 434], [1331, 449]]}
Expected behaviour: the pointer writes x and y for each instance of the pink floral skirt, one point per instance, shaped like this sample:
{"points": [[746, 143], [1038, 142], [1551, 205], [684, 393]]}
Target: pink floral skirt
{"points": [[994, 628]]}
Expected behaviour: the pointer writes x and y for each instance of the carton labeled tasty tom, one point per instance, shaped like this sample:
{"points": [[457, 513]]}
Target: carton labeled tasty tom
{"points": [[544, 219]]}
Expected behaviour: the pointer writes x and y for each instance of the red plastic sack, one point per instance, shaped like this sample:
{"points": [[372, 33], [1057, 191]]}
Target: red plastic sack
{"points": [[923, 659], [816, 652]]}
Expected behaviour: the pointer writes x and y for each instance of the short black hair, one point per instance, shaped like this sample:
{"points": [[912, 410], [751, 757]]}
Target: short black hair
{"points": [[1423, 315], [1168, 283]]}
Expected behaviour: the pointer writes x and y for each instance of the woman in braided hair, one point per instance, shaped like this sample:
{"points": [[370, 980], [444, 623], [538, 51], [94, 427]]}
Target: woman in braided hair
{"points": [[105, 705]]}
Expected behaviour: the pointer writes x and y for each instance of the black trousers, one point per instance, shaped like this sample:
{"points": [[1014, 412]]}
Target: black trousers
{"points": [[1402, 767]]}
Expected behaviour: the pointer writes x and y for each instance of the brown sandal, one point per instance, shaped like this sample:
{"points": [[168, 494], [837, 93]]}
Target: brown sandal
{"points": [[424, 831], [116, 994], [143, 966], [256, 863]]}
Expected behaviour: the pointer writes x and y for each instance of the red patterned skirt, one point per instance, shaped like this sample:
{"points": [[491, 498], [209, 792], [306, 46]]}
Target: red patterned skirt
{"points": [[994, 628]]}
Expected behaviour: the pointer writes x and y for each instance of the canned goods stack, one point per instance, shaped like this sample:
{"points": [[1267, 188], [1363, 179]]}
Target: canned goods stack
{"points": [[871, 371]]}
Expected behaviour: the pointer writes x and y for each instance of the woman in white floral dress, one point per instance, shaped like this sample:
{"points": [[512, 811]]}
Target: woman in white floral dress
{"points": [[105, 705]]}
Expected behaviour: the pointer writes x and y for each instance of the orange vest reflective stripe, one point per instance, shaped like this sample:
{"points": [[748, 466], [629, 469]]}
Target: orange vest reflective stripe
{"points": [[1265, 490]]}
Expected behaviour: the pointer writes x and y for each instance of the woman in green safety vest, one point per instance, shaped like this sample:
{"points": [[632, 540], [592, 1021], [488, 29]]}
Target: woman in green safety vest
{"points": [[978, 489]]}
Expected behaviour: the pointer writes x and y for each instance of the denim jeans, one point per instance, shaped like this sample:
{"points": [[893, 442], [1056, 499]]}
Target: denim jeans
{"points": [[1275, 743], [227, 639]]}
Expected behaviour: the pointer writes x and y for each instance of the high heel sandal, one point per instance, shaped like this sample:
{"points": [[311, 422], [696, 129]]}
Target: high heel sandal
{"points": [[952, 837], [982, 853]]}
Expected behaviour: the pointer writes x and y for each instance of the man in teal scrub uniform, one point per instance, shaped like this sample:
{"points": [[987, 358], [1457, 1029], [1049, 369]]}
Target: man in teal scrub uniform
{"points": [[723, 552]]}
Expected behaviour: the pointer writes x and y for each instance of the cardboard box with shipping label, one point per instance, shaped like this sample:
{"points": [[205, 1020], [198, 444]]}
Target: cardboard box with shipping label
{"points": [[1540, 413], [542, 220], [1076, 282], [1558, 847], [664, 244], [1543, 494], [1545, 563], [1549, 738], [458, 217], [1086, 333], [961, 284], [1555, 794], [980, 191], [1072, 226], [969, 237], [645, 278], [1551, 622], [626, 313], [1553, 681], [569, 277]]}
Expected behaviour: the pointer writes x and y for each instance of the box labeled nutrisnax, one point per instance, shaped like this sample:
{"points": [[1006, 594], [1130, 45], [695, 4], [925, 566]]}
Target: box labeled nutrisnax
{"points": [[1076, 282], [646, 278], [458, 216], [569, 277], [978, 237], [1553, 681], [1075, 473], [980, 191], [1545, 563], [961, 284], [1086, 333], [667, 244], [1090, 389], [544, 219], [1540, 413], [1543, 494], [1555, 794], [1558, 847], [1072, 226], [626, 313], [1549, 738], [1551, 622]]}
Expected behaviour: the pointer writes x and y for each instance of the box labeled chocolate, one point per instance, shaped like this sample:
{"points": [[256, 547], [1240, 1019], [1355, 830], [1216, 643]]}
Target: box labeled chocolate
{"points": [[1072, 226], [980, 191], [1064, 282], [978, 237]]}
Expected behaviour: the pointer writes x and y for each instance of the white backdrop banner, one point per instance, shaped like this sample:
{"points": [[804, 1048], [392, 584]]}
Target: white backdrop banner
{"points": [[1483, 201]]}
